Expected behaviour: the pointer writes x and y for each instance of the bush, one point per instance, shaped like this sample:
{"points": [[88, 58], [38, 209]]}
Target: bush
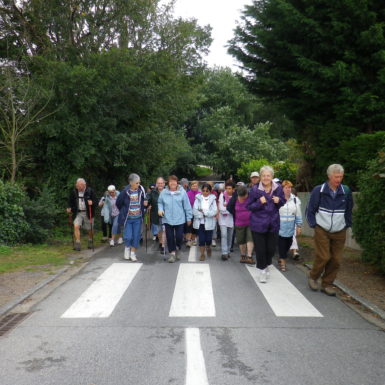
{"points": [[369, 217], [42, 216], [282, 170], [13, 223]]}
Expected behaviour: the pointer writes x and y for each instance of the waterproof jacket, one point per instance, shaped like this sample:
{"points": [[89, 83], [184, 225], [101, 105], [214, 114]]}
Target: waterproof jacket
{"points": [[290, 216], [153, 197], [73, 201], [123, 203], [107, 208], [264, 217], [209, 216], [332, 214], [176, 207]]}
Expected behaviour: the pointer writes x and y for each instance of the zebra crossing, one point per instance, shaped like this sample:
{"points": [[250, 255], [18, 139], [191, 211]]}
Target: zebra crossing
{"points": [[193, 294]]}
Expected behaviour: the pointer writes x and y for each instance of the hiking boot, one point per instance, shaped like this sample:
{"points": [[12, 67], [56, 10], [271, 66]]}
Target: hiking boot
{"points": [[162, 250], [112, 243], [202, 256], [329, 290], [90, 244], [224, 257], [313, 284], [209, 252], [250, 260], [127, 251], [296, 257], [177, 254], [194, 242], [172, 258], [77, 246], [213, 243], [243, 259], [189, 243]]}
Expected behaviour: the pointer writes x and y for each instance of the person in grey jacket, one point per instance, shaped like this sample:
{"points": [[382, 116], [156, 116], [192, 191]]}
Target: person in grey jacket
{"points": [[329, 213], [205, 211]]}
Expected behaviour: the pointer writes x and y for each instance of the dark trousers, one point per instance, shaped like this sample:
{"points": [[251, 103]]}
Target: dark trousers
{"points": [[105, 227], [328, 253], [265, 245], [174, 235], [205, 236], [284, 244]]}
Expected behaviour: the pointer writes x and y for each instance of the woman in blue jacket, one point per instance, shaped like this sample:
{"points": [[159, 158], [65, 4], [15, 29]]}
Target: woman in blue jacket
{"points": [[175, 208], [290, 220]]}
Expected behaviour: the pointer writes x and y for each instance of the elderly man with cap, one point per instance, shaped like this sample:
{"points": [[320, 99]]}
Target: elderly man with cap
{"points": [[82, 204], [254, 179], [111, 214]]}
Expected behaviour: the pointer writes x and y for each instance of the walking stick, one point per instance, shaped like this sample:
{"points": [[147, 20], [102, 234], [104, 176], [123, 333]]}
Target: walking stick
{"points": [[145, 229], [71, 229], [92, 227]]}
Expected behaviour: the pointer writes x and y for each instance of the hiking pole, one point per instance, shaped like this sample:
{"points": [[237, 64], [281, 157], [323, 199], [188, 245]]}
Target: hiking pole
{"points": [[71, 229], [92, 227], [145, 229]]}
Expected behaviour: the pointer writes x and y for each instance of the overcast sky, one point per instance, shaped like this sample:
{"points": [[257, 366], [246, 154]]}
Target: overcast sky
{"points": [[222, 16]]}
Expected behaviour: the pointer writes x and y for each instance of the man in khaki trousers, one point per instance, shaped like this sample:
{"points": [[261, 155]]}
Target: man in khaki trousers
{"points": [[329, 212]]}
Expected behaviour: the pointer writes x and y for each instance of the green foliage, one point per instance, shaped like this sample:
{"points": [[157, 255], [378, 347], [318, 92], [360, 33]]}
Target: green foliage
{"points": [[41, 213], [323, 62], [201, 172], [356, 151], [282, 170], [13, 223], [369, 216]]}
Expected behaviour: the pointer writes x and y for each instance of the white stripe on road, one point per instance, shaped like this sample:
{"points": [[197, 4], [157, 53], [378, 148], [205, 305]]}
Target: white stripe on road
{"points": [[282, 296], [193, 293], [100, 299], [196, 368], [192, 255]]}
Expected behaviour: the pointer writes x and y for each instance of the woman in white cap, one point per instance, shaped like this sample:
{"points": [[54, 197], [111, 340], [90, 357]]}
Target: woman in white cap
{"points": [[111, 214]]}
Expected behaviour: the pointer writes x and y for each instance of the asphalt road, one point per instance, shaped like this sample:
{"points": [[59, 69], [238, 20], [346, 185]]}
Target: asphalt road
{"points": [[193, 323]]}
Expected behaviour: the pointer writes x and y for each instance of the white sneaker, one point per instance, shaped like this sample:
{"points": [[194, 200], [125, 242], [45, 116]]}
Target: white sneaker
{"points": [[127, 251], [112, 243], [133, 257], [263, 277], [154, 237], [213, 243], [120, 241]]}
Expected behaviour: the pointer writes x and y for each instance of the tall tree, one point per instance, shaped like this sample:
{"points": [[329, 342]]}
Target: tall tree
{"points": [[323, 62]]}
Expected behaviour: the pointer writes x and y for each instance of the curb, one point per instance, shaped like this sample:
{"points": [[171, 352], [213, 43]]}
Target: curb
{"points": [[11, 305], [362, 301]]}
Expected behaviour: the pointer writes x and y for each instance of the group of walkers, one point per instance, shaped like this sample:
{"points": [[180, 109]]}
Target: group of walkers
{"points": [[265, 216]]}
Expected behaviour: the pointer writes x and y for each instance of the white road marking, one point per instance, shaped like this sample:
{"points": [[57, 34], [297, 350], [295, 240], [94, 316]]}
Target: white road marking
{"points": [[282, 296], [193, 293], [196, 368], [192, 256], [100, 299]]}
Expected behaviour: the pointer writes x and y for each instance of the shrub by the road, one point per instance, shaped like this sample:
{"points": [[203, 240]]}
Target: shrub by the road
{"points": [[369, 216]]}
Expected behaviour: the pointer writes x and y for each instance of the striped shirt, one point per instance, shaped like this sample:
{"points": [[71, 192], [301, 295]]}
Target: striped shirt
{"points": [[134, 209]]}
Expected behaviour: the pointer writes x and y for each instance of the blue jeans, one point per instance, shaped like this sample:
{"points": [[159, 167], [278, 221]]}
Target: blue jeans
{"points": [[226, 239], [174, 235], [205, 236], [115, 225], [155, 229], [132, 232]]}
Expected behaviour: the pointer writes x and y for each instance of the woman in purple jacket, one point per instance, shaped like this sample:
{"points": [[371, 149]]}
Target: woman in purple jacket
{"points": [[265, 200]]}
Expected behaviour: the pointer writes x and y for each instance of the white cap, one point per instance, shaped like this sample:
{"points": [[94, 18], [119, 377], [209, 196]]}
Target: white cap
{"points": [[111, 187], [254, 173], [276, 180]]}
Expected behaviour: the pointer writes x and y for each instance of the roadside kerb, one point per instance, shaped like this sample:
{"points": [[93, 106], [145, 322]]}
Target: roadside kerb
{"points": [[87, 254], [351, 293]]}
